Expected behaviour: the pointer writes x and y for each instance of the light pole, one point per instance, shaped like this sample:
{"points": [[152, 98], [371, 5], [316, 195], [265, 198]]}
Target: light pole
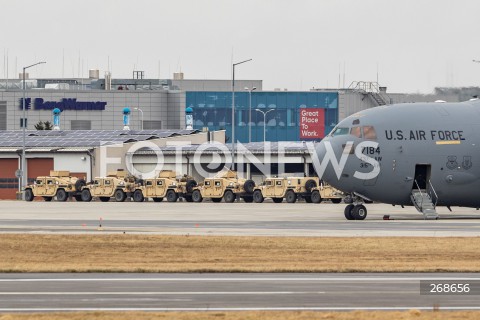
{"points": [[264, 121], [233, 110], [250, 113], [24, 124], [141, 112]]}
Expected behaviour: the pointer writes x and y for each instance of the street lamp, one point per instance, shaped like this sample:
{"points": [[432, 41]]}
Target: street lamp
{"points": [[24, 124], [250, 113], [233, 110], [141, 112], [264, 121]]}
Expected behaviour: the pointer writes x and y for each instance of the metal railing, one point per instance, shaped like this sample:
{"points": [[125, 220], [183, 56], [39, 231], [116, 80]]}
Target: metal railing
{"points": [[434, 193], [420, 205]]}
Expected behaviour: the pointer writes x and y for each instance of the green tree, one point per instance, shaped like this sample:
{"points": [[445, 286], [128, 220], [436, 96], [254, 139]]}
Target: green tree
{"points": [[39, 126], [44, 125], [48, 125]]}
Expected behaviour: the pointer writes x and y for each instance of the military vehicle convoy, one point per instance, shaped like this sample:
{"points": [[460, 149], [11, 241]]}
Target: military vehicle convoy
{"points": [[58, 184], [116, 184], [166, 185], [225, 185], [293, 188]]}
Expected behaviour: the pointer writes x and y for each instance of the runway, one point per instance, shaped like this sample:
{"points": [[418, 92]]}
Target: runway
{"points": [[264, 219], [201, 292]]}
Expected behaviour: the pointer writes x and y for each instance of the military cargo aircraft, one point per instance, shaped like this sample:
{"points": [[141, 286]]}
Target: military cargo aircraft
{"points": [[420, 154]]}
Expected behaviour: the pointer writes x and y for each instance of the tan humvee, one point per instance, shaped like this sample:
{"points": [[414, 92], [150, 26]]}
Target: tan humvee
{"points": [[289, 188], [325, 192], [166, 185], [226, 185], [116, 184], [58, 184]]}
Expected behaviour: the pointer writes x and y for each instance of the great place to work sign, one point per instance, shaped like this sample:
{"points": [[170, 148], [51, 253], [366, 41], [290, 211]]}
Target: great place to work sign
{"points": [[312, 123], [64, 104]]}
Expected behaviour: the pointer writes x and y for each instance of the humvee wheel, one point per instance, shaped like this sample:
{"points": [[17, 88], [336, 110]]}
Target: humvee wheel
{"points": [[308, 199], [138, 196], [157, 199], [316, 197], [62, 195], [86, 195], [229, 196], [310, 184], [104, 199], [216, 200], [277, 200], [249, 186], [48, 199], [79, 184], [197, 196], [29, 195], [258, 196], [336, 200], [248, 199], [119, 195], [359, 212], [348, 212], [172, 196], [77, 198], [290, 196]]}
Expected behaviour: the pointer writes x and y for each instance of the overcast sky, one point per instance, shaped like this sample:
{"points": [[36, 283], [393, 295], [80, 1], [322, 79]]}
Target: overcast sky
{"points": [[412, 45]]}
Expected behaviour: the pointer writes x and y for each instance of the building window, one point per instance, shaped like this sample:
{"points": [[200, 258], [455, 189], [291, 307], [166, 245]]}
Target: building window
{"points": [[3, 115]]}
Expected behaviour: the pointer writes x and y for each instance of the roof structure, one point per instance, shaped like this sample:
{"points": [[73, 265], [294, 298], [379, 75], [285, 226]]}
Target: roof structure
{"points": [[81, 138]]}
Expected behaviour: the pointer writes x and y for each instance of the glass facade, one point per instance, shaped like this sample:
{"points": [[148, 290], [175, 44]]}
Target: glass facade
{"points": [[284, 122]]}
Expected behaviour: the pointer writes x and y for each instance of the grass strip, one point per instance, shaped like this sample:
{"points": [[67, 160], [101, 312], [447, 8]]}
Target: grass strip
{"points": [[268, 315], [159, 253]]}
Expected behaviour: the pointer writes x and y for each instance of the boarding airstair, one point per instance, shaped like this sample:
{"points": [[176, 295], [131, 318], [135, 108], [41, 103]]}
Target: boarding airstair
{"points": [[425, 201]]}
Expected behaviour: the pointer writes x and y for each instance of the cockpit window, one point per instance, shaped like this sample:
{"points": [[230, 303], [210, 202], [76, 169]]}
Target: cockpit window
{"points": [[369, 133], [339, 132], [356, 132]]}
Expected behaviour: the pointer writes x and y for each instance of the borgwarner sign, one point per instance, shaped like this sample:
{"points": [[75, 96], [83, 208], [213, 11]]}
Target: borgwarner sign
{"points": [[64, 104]]}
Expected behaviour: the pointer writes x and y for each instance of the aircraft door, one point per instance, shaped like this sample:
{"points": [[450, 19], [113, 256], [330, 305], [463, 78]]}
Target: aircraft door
{"points": [[422, 176]]}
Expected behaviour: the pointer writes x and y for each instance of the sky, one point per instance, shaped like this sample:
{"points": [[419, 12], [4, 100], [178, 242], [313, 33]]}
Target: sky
{"points": [[408, 46]]}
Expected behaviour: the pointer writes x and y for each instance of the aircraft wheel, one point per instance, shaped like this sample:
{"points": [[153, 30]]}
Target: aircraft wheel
{"points": [[29, 195], [86, 195], [120, 196], [138, 196], [229, 196], [258, 196], [359, 212], [197, 196], [291, 197], [157, 199], [62, 195], [172, 196], [316, 197], [348, 212]]}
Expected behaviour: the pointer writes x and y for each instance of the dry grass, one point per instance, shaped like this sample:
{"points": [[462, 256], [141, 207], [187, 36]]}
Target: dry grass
{"points": [[356, 315], [147, 253]]}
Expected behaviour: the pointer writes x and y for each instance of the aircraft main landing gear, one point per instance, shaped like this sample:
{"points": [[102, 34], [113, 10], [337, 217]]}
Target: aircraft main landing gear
{"points": [[355, 212]]}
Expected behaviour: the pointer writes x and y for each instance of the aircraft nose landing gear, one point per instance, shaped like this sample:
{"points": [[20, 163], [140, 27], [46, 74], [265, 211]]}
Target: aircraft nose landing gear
{"points": [[355, 212]]}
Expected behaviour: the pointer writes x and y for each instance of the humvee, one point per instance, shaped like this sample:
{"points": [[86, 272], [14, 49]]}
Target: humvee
{"points": [[325, 192], [227, 186], [58, 184], [289, 188], [166, 185], [116, 184]]}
